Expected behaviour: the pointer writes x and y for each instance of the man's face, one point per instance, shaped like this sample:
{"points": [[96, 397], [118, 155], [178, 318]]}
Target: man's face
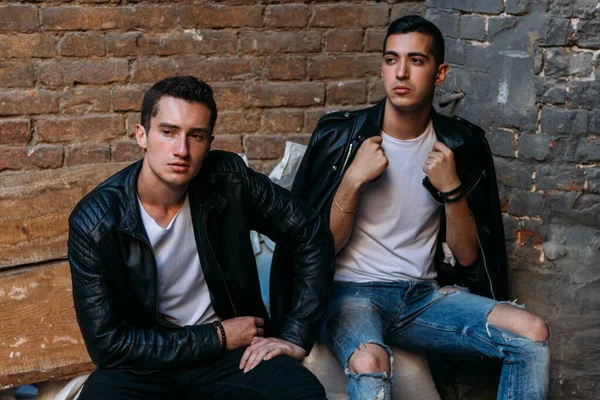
{"points": [[409, 71], [178, 141]]}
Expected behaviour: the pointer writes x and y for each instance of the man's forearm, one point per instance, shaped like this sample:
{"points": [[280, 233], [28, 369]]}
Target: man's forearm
{"points": [[461, 234], [343, 211]]}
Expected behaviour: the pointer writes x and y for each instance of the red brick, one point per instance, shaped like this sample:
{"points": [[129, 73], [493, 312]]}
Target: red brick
{"points": [[328, 67], [313, 116], [166, 44], [283, 121], [19, 18], [231, 143], [219, 69], [68, 73], [286, 94], [152, 70], [27, 45], [287, 16], [374, 40], [87, 153], [28, 102], [95, 128], [15, 131], [367, 65], [126, 151], [82, 100], [280, 42], [286, 68], [352, 92], [237, 122], [82, 45], [344, 40], [229, 97], [221, 16], [156, 18], [131, 122], [122, 44], [341, 16], [213, 42], [19, 158], [87, 18], [375, 90], [408, 8], [268, 147], [128, 98], [16, 74]]}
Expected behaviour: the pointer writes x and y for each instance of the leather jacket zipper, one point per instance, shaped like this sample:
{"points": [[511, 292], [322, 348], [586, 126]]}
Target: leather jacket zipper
{"points": [[347, 158], [487, 273]]}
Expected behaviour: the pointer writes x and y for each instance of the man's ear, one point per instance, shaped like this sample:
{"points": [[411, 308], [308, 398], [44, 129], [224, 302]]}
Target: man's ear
{"points": [[442, 71], [140, 136]]}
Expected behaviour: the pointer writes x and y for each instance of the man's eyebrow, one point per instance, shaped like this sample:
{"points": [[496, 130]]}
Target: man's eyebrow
{"points": [[411, 54], [172, 126], [167, 125]]}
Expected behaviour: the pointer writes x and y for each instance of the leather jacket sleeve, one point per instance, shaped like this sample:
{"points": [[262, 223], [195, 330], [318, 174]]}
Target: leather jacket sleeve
{"points": [[110, 340], [274, 211]]}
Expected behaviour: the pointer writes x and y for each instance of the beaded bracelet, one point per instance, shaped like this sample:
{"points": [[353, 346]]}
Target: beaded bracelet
{"points": [[445, 195], [219, 325]]}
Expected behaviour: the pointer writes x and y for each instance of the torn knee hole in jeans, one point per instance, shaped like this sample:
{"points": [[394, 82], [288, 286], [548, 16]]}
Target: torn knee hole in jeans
{"points": [[452, 289], [380, 375]]}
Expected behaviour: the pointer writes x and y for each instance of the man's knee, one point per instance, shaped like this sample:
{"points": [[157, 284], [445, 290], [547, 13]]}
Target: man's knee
{"points": [[519, 321], [369, 358]]}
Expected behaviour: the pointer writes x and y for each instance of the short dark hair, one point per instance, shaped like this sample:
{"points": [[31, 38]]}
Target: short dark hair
{"points": [[415, 23], [187, 88]]}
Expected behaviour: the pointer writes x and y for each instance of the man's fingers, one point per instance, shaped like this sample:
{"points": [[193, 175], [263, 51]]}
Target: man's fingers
{"points": [[244, 358], [376, 139], [273, 353], [441, 147], [260, 332], [259, 321]]}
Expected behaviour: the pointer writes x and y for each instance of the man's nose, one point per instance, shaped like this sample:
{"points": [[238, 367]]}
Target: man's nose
{"points": [[181, 146], [402, 70]]}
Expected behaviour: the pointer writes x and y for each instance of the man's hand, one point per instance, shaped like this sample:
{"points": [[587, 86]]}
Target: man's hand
{"points": [[263, 349], [369, 162], [240, 331], [441, 168]]}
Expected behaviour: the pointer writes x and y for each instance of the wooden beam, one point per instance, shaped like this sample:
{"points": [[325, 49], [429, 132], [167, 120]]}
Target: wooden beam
{"points": [[35, 206], [39, 336]]}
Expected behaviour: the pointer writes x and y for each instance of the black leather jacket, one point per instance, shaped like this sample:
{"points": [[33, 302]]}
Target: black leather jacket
{"points": [[114, 269], [331, 150]]}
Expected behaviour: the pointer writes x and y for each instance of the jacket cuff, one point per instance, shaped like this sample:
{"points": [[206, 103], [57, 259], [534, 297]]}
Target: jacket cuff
{"points": [[297, 333], [207, 340]]}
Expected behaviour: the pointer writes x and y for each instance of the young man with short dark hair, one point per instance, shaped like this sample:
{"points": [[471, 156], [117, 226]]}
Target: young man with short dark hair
{"points": [[412, 201], [165, 283]]}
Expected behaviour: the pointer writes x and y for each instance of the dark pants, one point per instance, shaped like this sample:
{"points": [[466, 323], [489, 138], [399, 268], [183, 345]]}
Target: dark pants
{"points": [[279, 378]]}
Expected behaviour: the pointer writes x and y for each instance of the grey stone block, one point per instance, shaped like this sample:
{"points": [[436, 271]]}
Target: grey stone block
{"points": [[584, 93], [587, 34], [557, 120], [410, 8], [558, 32], [487, 6], [581, 64], [455, 53], [478, 56], [556, 62], [519, 7], [472, 27], [525, 203], [593, 179], [502, 142], [588, 149], [514, 173], [594, 126], [574, 8], [497, 25], [446, 21], [536, 147], [559, 177], [554, 91]]}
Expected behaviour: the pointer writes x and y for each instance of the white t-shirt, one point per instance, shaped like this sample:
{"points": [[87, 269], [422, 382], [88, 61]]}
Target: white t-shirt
{"points": [[395, 230], [183, 296]]}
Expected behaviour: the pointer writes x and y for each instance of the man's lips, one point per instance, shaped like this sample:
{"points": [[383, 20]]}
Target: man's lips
{"points": [[179, 166], [401, 89]]}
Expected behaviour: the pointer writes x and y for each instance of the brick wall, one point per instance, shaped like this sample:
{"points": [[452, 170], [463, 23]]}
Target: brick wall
{"points": [[529, 72], [72, 73]]}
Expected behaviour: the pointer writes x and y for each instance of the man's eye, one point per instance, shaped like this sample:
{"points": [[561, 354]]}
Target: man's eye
{"points": [[389, 60], [417, 61], [198, 137], [167, 132]]}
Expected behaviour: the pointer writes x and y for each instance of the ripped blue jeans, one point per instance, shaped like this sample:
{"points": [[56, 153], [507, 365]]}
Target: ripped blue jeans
{"points": [[419, 316]]}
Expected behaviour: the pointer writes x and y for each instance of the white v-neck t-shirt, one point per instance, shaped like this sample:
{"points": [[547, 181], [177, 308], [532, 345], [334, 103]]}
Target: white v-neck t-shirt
{"points": [[183, 296], [397, 223]]}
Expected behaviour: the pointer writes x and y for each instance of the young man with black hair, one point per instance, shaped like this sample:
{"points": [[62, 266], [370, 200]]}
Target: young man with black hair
{"points": [[165, 283], [412, 201]]}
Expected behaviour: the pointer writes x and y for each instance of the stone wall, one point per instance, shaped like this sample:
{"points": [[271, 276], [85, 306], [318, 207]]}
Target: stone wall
{"points": [[528, 71]]}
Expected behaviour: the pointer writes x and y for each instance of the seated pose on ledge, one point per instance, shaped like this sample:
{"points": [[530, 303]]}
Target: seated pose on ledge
{"points": [[412, 201], [165, 282]]}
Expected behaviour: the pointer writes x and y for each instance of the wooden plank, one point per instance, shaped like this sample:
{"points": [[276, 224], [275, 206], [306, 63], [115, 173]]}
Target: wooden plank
{"points": [[35, 206], [39, 336]]}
